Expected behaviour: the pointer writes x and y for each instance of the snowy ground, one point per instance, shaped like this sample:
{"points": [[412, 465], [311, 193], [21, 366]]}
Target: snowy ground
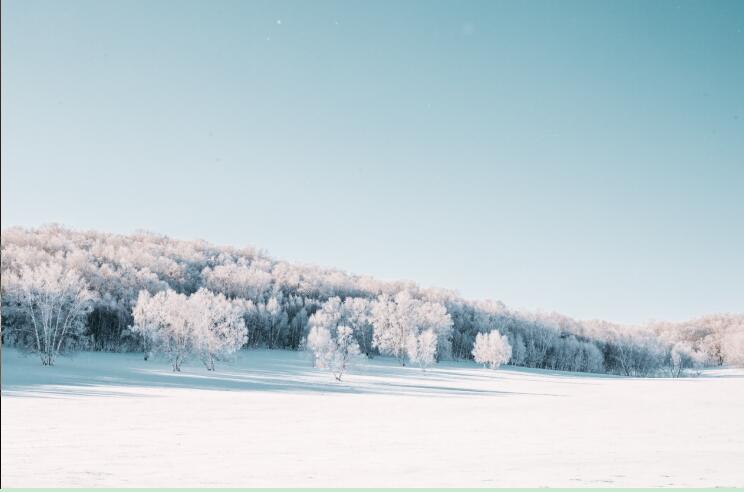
{"points": [[269, 419]]}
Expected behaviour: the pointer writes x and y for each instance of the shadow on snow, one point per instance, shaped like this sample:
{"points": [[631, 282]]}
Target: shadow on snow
{"points": [[107, 374]]}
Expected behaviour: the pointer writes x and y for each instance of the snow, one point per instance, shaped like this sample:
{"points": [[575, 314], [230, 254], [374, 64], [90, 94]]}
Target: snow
{"points": [[270, 419]]}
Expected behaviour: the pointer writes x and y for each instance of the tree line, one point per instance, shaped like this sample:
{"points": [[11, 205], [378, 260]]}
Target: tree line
{"points": [[65, 290]]}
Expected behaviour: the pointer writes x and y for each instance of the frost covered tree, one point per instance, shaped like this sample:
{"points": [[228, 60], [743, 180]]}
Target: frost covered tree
{"points": [[320, 344], [220, 330], [422, 348], [164, 322], [637, 353], [179, 326], [492, 349], [279, 298], [54, 300], [399, 321], [330, 338], [391, 330], [540, 338], [356, 313], [433, 317], [353, 312], [593, 361], [240, 279], [519, 350], [733, 346], [329, 315], [278, 321], [333, 351], [682, 356]]}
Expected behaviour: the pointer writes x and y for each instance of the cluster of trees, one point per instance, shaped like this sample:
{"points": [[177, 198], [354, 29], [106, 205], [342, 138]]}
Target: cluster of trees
{"points": [[178, 326], [412, 330], [64, 289], [714, 339]]}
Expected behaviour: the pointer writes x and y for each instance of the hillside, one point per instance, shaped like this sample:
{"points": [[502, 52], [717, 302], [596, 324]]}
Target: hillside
{"points": [[277, 300]]}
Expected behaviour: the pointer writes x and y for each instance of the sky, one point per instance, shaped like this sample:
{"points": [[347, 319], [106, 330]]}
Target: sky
{"points": [[579, 156]]}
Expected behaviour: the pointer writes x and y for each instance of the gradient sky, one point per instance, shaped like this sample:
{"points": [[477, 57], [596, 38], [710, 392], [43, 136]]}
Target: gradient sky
{"points": [[585, 157]]}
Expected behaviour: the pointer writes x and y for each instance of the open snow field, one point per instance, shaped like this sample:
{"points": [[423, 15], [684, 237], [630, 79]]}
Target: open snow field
{"points": [[270, 419]]}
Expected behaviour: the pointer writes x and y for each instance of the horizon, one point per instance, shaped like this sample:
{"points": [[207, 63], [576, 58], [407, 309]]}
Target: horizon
{"points": [[585, 158]]}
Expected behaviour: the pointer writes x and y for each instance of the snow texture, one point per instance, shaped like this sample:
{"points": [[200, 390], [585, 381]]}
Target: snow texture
{"points": [[268, 418]]}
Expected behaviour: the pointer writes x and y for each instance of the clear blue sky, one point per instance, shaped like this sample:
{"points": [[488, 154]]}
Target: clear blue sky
{"points": [[586, 157]]}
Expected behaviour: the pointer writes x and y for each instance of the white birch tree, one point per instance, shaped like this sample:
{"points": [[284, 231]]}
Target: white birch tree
{"points": [[491, 349], [55, 301]]}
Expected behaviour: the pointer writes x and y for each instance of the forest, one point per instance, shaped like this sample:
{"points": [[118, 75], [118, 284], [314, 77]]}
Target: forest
{"points": [[65, 290]]}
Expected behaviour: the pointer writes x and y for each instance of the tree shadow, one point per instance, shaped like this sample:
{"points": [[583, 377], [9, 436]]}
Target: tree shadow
{"points": [[107, 374]]}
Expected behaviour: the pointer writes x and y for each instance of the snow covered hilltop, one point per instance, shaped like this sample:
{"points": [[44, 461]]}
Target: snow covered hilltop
{"points": [[65, 290]]}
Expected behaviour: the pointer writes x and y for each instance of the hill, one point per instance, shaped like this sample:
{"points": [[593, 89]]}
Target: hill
{"points": [[278, 299]]}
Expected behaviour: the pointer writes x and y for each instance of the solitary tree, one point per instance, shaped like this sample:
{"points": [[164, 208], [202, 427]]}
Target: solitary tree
{"points": [[333, 351], [55, 300], [219, 329]]}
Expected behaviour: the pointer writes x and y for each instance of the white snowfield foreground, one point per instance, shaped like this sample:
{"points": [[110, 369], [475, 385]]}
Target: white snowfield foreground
{"points": [[270, 419]]}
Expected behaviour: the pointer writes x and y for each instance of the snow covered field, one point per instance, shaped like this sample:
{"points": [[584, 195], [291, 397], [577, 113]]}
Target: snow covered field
{"points": [[270, 419]]}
